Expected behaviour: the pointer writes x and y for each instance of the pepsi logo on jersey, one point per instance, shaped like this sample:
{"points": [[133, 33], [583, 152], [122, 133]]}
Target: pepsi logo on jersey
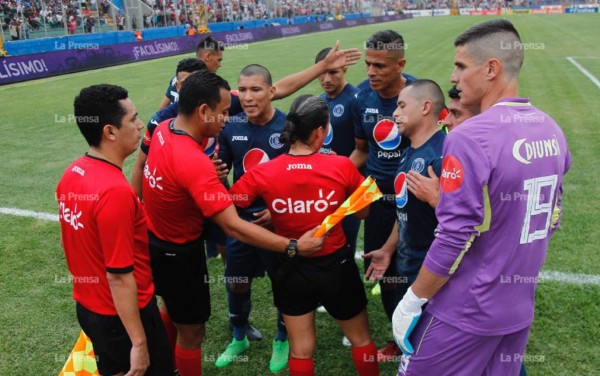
{"points": [[253, 158]]}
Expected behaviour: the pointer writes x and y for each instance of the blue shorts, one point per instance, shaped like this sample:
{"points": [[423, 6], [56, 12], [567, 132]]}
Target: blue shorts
{"points": [[245, 262], [378, 226]]}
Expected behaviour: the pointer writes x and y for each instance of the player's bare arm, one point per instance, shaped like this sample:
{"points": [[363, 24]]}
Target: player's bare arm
{"points": [[252, 234], [123, 288], [263, 218], [381, 258], [220, 167], [335, 59], [426, 189], [138, 173], [165, 102], [428, 283], [360, 154]]}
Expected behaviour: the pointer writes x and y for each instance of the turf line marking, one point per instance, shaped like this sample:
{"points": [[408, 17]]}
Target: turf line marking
{"points": [[545, 275], [573, 278], [585, 71], [30, 214]]}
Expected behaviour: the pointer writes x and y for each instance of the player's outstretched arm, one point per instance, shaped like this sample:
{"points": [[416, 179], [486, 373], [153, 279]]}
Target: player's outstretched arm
{"points": [[360, 154], [381, 258], [426, 189], [257, 236], [335, 59], [165, 102]]}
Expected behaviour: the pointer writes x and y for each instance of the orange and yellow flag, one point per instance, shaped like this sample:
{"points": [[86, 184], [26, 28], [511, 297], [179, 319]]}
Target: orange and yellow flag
{"points": [[364, 195], [82, 361]]}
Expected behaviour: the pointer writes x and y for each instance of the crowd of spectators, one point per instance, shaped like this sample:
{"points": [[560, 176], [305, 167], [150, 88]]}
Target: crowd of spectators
{"points": [[19, 18]]}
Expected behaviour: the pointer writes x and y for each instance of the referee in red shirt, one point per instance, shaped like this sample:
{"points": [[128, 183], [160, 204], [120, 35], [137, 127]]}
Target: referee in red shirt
{"points": [[300, 189], [104, 235], [181, 190]]}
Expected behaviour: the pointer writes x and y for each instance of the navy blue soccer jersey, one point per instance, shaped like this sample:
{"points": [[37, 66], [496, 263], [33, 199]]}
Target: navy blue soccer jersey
{"points": [[159, 116], [373, 122], [244, 145], [416, 219], [173, 95], [171, 92], [340, 138], [366, 86]]}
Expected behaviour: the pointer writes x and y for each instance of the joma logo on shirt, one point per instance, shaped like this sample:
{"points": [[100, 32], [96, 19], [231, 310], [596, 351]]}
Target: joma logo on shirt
{"points": [[299, 166], [371, 111], [239, 138], [292, 206]]}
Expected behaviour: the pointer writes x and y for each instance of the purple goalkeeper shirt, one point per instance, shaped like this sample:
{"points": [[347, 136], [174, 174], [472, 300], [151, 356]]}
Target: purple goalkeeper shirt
{"points": [[501, 185]]}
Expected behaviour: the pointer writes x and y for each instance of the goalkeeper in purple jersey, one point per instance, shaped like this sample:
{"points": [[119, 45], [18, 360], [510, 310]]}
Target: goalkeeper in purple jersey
{"points": [[501, 189]]}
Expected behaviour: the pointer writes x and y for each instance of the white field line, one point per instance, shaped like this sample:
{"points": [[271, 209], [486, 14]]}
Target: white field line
{"points": [[547, 275], [584, 71], [30, 214]]}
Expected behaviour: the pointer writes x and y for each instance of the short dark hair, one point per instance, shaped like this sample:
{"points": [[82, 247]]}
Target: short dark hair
{"points": [[307, 112], [495, 38], [454, 93], [211, 44], [257, 70], [386, 40], [321, 55], [429, 89], [97, 106], [200, 88], [190, 65]]}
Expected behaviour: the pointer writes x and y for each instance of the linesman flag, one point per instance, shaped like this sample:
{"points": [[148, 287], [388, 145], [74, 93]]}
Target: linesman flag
{"points": [[365, 194], [82, 361]]}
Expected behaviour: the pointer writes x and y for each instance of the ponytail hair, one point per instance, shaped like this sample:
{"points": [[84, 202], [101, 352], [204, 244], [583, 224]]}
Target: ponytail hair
{"points": [[308, 112]]}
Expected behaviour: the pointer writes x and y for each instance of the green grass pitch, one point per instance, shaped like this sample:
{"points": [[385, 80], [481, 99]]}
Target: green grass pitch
{"points": [[37, 316]]}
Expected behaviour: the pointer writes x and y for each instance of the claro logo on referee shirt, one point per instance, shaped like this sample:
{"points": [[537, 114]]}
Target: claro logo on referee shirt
{"points": [[289, 205], [153, 180]]}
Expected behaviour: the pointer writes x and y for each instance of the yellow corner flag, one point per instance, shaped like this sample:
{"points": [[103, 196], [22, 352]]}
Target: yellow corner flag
{"points": [[364, 195], [82, 361]]}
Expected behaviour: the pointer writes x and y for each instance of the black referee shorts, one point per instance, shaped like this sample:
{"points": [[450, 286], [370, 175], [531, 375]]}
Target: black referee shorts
{"points": [[112, 345], [181, 279], [301, 284]]}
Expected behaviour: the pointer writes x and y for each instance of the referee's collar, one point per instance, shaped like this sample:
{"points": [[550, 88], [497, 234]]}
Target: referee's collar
{"points": [[103, 160]]}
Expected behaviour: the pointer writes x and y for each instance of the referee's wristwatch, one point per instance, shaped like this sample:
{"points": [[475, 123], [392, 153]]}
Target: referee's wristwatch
{"points": [[292, 248]]}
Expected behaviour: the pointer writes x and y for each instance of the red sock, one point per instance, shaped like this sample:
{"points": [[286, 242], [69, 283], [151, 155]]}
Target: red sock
{"points": [[365, 360], [189, 362], [302, 367], [171, 331]]}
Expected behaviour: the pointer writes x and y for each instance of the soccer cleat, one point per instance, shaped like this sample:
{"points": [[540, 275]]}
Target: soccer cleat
{"points": [[252, 333], [232, 351], [376, 290], [346, 342], [280, 356], [389, 353]]}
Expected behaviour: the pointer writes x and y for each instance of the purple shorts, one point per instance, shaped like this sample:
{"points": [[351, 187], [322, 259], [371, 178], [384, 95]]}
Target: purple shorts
{"points": [[441, 349]]}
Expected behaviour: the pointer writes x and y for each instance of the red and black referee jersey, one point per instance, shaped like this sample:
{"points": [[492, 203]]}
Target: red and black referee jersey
{"points": [[300, 191], [103, 228], [180, 186]]}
